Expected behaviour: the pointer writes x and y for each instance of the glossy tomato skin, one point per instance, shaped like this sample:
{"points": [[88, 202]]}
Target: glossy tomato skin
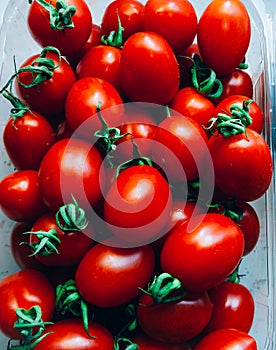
{"points": [[48, 98], [82, 101], [69, 167], [24, 289], [145, 342], [174, 322], [27, 139], [176, 21], [131, 17], [242, 164], [110, 276], [143, 77], [233, 307], [224, 32], [20, 198], [188, 252], [72, 247], [68, 40], [138, 204], [227, 339], [70, 335]]}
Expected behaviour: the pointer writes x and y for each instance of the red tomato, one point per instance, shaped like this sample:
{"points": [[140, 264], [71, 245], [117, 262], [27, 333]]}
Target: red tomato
{"points": [[83, 99], [175, 20], [67, 39], [27, 139], [49, 96], [144, 77], [145, 342], [130, 13], [176, 321], [223, 35], [24, 289], [20, 199], [72, 247], [70, 335], [188, 253], [227, 339], [233, 307], [242, 164], [138, 204], [69, 167], [101, 61], [110, 276]]}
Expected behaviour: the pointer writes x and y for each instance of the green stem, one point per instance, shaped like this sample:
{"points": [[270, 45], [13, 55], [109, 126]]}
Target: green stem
{"points": [[114, 38], [19, 108], [47, 242]]}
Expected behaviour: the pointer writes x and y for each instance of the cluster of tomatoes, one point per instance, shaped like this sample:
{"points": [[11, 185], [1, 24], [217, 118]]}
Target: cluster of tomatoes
{"points": [[137, 149]]}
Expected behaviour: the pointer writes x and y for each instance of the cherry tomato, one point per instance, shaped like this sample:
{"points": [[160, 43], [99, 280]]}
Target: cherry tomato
{"points": [[176, 321], [223, 35], [67, 39], [110, 276], [227, 339], [233, 307], [188, 252], [20, 198], [143, 77], [175, 20], [24, 289], [70, 335]]}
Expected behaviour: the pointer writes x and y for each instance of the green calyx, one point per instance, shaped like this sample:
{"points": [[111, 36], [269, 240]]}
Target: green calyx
{"points": [[47, 243], [19, 108], [114, 38], [121, 341]]}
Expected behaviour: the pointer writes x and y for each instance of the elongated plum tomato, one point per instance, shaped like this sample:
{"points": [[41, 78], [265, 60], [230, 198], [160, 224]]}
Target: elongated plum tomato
{"points": [[188, 252], [138, 204], [223, 35], [149, 69]]}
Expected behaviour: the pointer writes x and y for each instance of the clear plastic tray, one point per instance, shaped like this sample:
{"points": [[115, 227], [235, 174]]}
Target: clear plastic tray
{"points": [[259, 266]]}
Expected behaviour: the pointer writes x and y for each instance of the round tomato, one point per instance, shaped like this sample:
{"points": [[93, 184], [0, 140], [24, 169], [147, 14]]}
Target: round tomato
{"points": [[242, 164], [20, 198], [223, 35], [175, 20], [233, 307], [110, 276], [227, 339], [137, 205], [70, 335], [188, 252], [149, 69], [24, 289], [176, 321], [66, 27], [69, 168]]}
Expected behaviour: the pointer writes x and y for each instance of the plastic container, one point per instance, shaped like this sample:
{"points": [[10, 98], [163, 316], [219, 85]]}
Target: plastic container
{"points": [[259, 266]]}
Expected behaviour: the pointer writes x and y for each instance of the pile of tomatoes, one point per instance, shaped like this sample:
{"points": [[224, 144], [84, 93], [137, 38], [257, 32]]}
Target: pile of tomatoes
{"points": [[137, 149]]}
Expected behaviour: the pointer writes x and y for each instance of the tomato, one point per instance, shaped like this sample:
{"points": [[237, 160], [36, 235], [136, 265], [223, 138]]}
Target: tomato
{"points": [[27, 139], [242, 164], [83, 99], [137, 205], [223, 35], [72, 245], [188, 252], [236, 102], [24, 289], [69, 167], [70, 335], [227, 339], [110, 276], [176, 21], [130, 13], [143, 77], [190, 103], [20, 199], [233, 307], [176, 321], [67, 39], [48, 97], [179, 148], [101, 61]]}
